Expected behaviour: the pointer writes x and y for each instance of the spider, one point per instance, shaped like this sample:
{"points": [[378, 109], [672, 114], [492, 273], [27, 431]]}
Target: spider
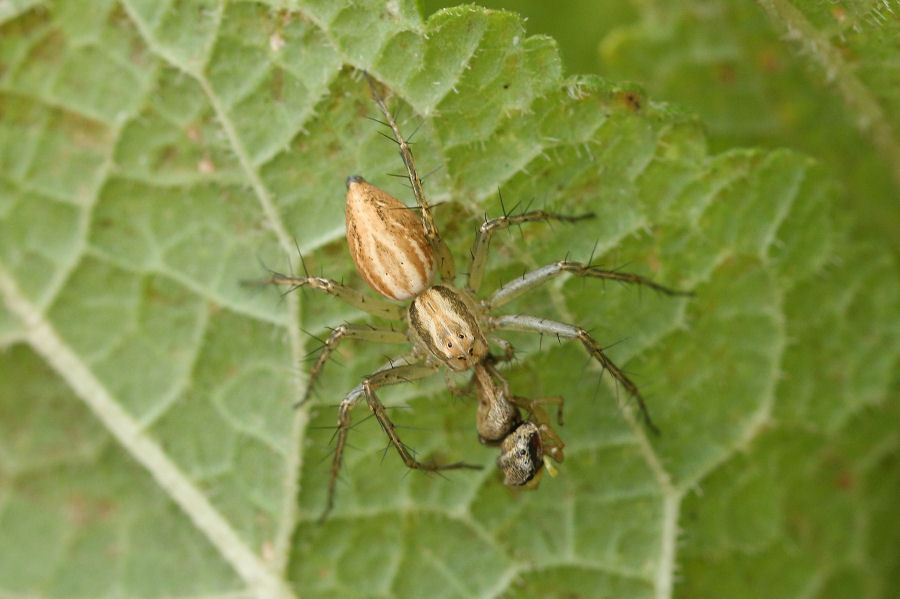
{"points": [[398, 251]]}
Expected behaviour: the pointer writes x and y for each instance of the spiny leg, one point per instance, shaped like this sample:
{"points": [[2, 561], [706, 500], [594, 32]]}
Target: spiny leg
{"points": [[534, 409], [483, 238], [343, 429], [373, 306], [535, 278], [347, 404], [445, 258], [532, 324], [348, 331], [402, 374], [389, 375]]}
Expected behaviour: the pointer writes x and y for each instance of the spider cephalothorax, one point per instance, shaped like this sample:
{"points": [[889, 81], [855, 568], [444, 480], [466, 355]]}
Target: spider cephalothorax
{"points": [[398, 251], [444, 321]]}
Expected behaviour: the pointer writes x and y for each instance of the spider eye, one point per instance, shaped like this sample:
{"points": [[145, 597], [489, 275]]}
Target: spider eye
{"points": [[461, 336], [449, 344]]}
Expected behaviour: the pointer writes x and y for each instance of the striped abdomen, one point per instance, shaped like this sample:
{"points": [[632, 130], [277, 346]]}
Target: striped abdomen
{"points": [[387, 242]]}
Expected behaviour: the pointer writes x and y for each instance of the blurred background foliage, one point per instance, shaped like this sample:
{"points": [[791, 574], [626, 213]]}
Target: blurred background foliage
{"points": [[740, 67]]}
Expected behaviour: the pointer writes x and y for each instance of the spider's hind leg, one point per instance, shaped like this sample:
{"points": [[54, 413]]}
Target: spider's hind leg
{"points": [[539, 276], [544, 326], [389, 375], [487, 228], [348, 331], [534, 407], [401, 374]]}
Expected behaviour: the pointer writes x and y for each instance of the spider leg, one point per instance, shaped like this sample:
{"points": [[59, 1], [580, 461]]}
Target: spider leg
{"points": [[348, 295], [483, 238], [456, 389], [534, 409], [352, 331], [387, 375], [535, 278], [532, 324], [509, 352], [401, 374], [444, 257]]}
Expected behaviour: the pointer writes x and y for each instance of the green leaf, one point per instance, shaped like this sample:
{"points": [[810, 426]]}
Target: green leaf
{"points": [[809, 75], [153, 155]]}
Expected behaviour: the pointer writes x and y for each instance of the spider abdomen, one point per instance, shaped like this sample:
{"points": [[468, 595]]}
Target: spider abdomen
{"points": [[387, 242]]}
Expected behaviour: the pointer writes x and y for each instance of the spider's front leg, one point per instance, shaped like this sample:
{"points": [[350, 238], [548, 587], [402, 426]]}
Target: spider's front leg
{"points": [[348, 295], [535, 278], [486, 230], [389, 375], [348, 331], [446, 265], [543, 326]]}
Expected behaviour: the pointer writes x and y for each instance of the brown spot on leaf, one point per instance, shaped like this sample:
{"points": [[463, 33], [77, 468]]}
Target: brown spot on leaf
{"points": [[630, 100], [193, 133], [725, 73], [276, 84], [844, 480], [768, 60], [82, 509], [206, 165]]}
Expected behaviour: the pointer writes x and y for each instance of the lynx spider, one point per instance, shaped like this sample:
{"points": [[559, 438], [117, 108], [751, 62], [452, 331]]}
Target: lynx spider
{"points": [[397, 250]]}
